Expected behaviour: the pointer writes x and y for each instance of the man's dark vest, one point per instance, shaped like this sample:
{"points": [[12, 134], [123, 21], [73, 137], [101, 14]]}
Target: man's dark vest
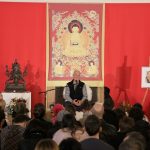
{"points": [[78, 92]]}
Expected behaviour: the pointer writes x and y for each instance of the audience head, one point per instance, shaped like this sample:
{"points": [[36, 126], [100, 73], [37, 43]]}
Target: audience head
{"points": [[70, 144], [108, 131], [126, 124], [98, 110], [143, 127], [119, 113], [138, 105], [92, 125], [136, 113], [78, 134], [57, 108], [70, 108], [133, 141], [22, 120], [86, 105], [60, 116], [20, 109], [46, 144], [39, 111], [106, 91], [68, 121]]}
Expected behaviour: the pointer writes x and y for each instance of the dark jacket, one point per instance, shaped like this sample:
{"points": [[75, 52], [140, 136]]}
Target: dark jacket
{"points": [[76, 93]]}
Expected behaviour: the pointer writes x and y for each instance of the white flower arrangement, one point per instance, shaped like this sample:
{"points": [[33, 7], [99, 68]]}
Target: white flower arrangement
{"points": [[17, 106]]}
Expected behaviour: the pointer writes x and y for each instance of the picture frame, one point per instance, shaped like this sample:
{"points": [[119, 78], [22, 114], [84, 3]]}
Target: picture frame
{"points": [[145, 77]]}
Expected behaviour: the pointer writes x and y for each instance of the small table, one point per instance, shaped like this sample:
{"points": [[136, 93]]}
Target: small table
{"points": [[8, 96]]}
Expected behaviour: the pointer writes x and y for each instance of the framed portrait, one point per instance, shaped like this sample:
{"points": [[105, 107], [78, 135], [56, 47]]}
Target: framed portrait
{"points": [[75, 42], [145, 77]]}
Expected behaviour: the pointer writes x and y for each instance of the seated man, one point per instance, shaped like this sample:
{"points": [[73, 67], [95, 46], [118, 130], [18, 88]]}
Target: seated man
{"points": [[75, 91]]}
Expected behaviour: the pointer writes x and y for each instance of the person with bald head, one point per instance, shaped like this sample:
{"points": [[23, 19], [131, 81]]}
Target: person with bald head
{"points": [[75, 91]]}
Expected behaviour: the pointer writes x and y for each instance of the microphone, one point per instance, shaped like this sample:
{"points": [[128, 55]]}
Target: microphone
{"points": [[46, 91]]}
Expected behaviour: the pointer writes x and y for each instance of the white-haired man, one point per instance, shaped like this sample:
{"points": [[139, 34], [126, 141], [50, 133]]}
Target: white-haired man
{"points": [[75, 91]]}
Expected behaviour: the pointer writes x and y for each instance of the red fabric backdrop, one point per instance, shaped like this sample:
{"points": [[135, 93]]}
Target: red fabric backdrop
{"points": [[127, 47], [22, 36]]}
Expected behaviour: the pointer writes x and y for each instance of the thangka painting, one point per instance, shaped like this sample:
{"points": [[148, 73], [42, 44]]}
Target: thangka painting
{"points": [[75, 41]]}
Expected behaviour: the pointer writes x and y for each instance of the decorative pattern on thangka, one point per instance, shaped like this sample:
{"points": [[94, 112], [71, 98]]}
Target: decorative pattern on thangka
{"points": [[75, 43]]}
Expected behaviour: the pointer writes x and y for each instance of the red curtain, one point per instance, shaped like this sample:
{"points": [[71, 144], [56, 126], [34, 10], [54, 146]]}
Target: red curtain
{"points": [[127, 49], [23, 36]]}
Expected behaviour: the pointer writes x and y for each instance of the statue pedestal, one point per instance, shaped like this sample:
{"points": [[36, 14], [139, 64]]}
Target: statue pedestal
{"points": [[17, 88], [8, 96]]}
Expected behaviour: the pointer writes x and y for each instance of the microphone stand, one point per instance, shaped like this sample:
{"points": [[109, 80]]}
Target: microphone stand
{"points": [[45, 93]]}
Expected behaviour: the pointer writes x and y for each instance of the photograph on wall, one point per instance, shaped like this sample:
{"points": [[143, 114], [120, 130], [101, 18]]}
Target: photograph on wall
{"points": [[145, 77], [75, 41]]}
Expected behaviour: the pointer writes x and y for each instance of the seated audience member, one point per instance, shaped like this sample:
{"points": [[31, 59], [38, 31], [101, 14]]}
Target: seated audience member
{"points": [[2, 102], [13, 134], [46, 144], [138, 105], [108, 101], [92, 141], [109, 116], [133, 141], [69, 124], [126, 125], [56, 109], [39, 113], [86, 111], [69, 109], [49, 113], [78, 131], [143, 127], [98, 110], [136, 113], [75, 91], [108, 133], [120, 113], [34, 132], [70, 144]]}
